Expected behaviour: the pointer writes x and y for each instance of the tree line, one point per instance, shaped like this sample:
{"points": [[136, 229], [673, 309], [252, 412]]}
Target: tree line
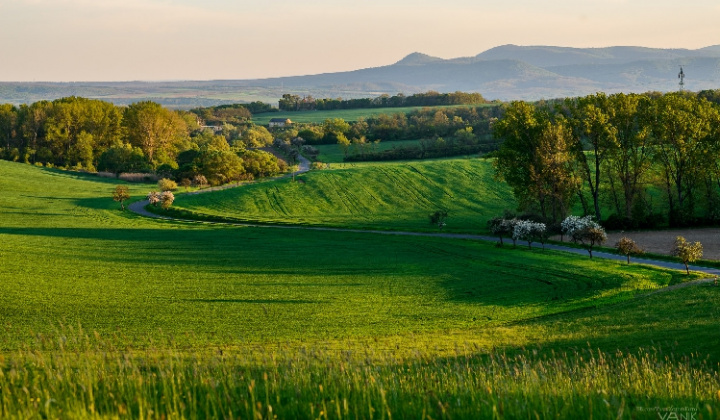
{"points": [[442, 132], [416, 124], [93, 135], [290, 102], [632, 160]]}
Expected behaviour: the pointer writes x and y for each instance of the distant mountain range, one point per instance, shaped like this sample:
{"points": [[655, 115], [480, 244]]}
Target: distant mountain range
{"points": [[515, 72], [506, 72]]}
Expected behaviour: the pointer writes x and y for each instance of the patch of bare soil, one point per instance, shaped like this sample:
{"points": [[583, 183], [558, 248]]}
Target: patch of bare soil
{"points": [[662, 241]]}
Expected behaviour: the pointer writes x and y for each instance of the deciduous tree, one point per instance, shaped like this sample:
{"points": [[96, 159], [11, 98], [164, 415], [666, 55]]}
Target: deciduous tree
{"points": [[628, 247], [120, 194], [687, 252]]}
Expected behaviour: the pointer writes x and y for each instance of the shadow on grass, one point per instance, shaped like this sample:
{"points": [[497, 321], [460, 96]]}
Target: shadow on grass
{"points": [[258, 301], [429, 268]]}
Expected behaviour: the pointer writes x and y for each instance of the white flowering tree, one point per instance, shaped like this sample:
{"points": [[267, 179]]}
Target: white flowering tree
{"points": [[153, 197], [500, 228], [585, 231], [526, 230], [166, 199], [509, 226]]}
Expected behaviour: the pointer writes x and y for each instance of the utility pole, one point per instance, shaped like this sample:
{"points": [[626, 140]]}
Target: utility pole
{"points": [[681, 76]]}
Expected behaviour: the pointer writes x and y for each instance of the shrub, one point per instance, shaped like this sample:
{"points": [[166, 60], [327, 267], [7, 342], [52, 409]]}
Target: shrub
{"points": [[153, 197], [200, 181], [137, 177], [166, 199], [167, 185], [438, 218]]}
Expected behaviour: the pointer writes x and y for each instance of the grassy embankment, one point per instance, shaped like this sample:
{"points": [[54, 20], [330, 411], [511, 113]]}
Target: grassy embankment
{"points": [[201, 321]]}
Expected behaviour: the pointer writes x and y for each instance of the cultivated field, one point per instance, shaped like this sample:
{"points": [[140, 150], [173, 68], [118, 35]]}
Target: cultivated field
{"points": [[662, 241], [107, 314]]}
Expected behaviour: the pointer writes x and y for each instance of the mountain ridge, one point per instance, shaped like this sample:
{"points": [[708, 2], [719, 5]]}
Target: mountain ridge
{"points": [[505, 72]]}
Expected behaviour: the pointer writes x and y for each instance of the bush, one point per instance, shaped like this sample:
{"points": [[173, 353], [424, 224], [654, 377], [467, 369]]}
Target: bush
{"points": [[167, 185], [138, 177], [200, 181], [166, 199], [153, 197], [438, 218]]}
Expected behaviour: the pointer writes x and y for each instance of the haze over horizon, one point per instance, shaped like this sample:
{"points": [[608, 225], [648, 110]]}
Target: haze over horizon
{"points": [[122, 40]]}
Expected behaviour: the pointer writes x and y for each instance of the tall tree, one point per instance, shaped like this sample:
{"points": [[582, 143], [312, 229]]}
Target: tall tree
{"points": [[8, 124], [536, 159], [630, 160], [156, 130], [590, 120], [684, 136]]}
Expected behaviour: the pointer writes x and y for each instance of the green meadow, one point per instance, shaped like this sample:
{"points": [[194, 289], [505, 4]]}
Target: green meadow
{"points": [[387, 196], [332, 153], [106, 314], [317, 117]]}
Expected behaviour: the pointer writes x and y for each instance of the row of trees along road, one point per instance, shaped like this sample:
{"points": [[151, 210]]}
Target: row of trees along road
{"points": [[644, 158], [92, 135]]}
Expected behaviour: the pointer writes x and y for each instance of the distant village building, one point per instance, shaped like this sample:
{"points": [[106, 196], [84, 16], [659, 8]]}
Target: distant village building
{"points": [[279, 122], [214, 128]]}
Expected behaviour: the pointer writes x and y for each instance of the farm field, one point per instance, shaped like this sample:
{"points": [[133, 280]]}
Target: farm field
{"points": [[332, 153], [661, 242], [108, 314], [317, 117], [390, 196]]}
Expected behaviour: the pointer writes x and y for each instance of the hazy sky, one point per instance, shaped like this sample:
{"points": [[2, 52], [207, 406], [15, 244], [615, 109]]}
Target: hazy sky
{"points": [[92, 40]]}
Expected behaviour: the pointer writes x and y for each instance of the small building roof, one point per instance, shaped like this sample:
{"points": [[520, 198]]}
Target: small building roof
{"points": [[279, 119]]}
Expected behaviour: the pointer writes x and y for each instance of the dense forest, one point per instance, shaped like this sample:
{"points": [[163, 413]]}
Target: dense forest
{"points": [[633, 160]]}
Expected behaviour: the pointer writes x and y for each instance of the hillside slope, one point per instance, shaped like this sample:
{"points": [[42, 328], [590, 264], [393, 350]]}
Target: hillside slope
{"points": [[392, 196]]}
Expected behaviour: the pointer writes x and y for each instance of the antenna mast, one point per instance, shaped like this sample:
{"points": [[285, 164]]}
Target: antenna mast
{"points": [[681, 76]]}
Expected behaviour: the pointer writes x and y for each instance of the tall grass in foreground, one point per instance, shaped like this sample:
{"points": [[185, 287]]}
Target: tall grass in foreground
{"points": [[87, 377]]}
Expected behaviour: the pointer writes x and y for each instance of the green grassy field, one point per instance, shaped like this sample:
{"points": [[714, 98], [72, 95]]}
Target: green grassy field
{"points": [[107, 314], [332, 153], [390, 196], [317, 117]]}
